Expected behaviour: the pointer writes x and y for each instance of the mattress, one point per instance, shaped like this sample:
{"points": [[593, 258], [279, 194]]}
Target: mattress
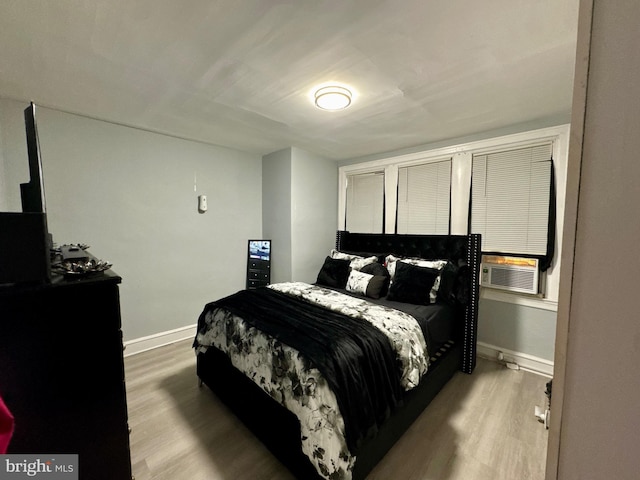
{"points": [[437, 321]]}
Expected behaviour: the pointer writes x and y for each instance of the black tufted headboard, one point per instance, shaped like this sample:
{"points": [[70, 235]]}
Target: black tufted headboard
{"points": [[462, 249]]}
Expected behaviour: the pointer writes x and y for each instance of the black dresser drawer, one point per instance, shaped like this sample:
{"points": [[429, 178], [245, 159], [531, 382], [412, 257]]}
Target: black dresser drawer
{"points": [[259, 264], [256, 283], [259, 275]]}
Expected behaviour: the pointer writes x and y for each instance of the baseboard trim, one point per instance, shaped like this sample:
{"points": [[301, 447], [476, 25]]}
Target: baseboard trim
{"points": [[142, 344], [525, 361]]}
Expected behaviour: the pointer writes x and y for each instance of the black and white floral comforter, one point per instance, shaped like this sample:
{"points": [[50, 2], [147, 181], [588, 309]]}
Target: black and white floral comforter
{"points": [[287, 377]]}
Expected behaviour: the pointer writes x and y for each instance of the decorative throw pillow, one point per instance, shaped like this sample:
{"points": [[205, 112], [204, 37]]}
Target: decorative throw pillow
{"points": [[358, 282], [377, 287], [412, 284], [378, 270], [357, 262], [392, 260], [447, 289], [366, 284], [334, 273]]}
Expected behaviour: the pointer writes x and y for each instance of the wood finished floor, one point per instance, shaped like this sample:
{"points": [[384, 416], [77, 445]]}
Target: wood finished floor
{"points": [[480, 426]]}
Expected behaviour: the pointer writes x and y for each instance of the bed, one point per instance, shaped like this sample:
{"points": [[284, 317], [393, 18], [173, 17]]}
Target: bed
{"points": [[281, 357]]}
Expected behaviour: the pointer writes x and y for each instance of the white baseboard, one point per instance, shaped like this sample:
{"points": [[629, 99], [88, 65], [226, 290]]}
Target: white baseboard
{"points": [[525, 361], [142, 344]]}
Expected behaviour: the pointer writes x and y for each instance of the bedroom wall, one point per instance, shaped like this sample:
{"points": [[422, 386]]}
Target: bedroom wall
{"points": [[276, 208], [516, 328], [130, 194], [314, 193], [13, 144], [299, 212], [518, 128]]}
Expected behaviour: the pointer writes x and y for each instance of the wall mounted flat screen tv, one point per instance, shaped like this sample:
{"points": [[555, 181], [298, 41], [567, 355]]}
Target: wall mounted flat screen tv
{"points": [[260, 249]]}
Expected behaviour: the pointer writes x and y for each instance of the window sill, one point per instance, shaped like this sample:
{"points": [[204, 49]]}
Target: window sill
{"points": [[518, 299]]}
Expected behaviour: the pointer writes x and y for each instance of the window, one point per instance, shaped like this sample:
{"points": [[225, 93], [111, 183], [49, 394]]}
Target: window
{"points": [[474, 166], [365, 203], [510, 199], [424, 193]]}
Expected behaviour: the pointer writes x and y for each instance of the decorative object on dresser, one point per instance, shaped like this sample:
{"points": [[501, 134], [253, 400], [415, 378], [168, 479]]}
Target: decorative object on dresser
{"points": [[258, 263], [329, 376], [62, 372]]}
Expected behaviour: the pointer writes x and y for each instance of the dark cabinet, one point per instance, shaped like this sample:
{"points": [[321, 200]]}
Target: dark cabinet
{"points": [[258, 263], [62, 372], [258, 273]]}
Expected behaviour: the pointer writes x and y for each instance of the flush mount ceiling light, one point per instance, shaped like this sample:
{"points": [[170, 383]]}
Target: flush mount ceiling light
{"points": [[332, 97]]}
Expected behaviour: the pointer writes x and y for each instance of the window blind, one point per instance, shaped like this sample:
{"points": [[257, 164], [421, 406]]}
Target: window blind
{"points": [[424, 201], [365, 203], [510, 195]]}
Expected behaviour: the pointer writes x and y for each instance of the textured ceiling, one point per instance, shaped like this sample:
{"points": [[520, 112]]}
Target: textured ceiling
{"points": [[240, 73]]}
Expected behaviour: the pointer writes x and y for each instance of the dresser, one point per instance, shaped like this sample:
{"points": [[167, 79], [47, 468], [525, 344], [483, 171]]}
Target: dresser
{"points": [[62, 372]]}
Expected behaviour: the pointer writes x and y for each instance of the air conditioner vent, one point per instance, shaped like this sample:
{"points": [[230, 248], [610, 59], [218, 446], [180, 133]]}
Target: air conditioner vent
{"points": [[514, 274]]}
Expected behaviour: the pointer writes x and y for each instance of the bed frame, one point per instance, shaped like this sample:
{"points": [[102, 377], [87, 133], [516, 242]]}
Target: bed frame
{"points": [[279, 429]]}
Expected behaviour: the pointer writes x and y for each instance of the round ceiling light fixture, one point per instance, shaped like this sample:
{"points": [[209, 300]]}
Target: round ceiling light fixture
{"points": [[333, 97]]}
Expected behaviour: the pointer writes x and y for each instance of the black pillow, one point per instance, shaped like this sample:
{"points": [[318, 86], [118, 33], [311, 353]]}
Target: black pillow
{"points": [[334, 272], [377, 287], [381, 284], [447, 290], [412, 284], [462, 288]]}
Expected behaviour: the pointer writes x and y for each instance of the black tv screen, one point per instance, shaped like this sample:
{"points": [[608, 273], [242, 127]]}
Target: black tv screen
{"points": [[32, 193], [25, 242], [260, 249]]}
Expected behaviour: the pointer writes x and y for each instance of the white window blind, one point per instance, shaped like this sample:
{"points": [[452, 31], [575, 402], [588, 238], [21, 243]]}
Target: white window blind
{"points": [[510, 194], [424, 201], [365, 203]]}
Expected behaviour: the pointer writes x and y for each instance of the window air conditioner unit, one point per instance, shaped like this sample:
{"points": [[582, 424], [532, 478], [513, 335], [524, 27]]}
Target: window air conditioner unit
{"points": [[514, 274]]}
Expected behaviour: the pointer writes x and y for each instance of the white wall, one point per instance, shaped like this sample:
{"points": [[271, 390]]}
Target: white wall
{"points": [[600, 424], [276, 211], [512, 129], [314, 193], [130, 195], [13, 154], [299, 212], [517, 328]]}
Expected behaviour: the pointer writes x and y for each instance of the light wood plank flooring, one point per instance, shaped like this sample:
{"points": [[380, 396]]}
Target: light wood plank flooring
{"points": [[480, 426]]}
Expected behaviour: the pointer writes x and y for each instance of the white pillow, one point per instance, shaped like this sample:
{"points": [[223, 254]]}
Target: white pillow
{"points": [[358, 282], [390, 262], [357, 262]]}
